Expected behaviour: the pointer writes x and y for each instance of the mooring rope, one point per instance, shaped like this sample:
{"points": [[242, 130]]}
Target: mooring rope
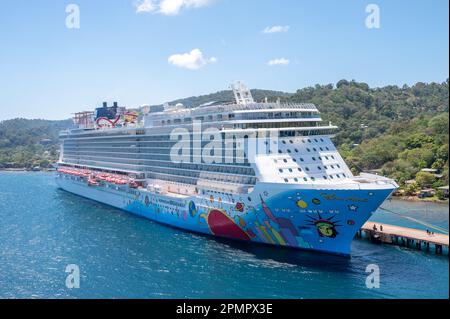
{"points": [[440, 229]]}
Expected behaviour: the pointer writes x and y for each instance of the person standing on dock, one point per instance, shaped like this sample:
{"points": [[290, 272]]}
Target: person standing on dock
{"points": [[381, 227]]}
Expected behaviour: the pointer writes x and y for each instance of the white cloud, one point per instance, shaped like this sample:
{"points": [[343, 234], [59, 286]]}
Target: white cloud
{"points": [[192, 60], [145, 6], [169, 7], [280, 61], [276, 29]]}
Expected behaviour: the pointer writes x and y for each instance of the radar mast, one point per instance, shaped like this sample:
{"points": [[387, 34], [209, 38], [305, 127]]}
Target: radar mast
{"points": [[242, 94]]}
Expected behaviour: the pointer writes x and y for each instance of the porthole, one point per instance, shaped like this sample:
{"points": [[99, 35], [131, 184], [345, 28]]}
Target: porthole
{"points": [[308, 150], [279, 151], [281, 170], [299, 169], [285, 160], [319, 168], [290, 170], [301, 159], [305, 179], [314, 149], [313, 158], [309, 141], [296, 179], [286, 180], [289, 151], [307, 169], [313, 178], [324, 177], [296, 150], [284, 142]]}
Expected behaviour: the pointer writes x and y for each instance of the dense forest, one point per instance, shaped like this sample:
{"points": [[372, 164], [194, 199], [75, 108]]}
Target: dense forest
{"points": [[394, 130], [28, 143]]}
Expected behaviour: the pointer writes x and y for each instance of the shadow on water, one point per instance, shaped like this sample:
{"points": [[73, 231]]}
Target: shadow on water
{"points": [[296, 257]]}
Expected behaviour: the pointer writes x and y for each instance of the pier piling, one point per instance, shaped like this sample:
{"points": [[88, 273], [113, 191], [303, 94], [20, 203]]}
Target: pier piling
{"points": [[403, 236]]}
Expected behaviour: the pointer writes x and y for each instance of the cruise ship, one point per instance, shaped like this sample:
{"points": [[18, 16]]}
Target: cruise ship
{"points": [[256, 171]]}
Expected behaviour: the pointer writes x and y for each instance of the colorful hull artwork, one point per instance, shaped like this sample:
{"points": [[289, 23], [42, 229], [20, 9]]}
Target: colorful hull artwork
{"points": [[319, 220]]}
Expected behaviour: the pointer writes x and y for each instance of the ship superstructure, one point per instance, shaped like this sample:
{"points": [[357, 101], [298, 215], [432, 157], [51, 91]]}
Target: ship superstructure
{"points": [[256, 171]]}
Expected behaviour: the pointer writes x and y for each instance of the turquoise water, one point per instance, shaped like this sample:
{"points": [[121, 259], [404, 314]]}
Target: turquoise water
{"points": [[43, 229]]}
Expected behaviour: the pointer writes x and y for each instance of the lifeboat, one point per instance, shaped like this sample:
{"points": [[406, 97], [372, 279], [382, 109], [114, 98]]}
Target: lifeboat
{"points": [[133, 184], [92, 182]]}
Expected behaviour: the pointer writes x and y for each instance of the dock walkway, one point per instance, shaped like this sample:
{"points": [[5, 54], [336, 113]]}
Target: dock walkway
{"points": [[403, 236]]}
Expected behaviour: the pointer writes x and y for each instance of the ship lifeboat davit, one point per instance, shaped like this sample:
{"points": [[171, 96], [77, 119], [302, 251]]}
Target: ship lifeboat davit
{"points": [[93, 182], [221, 225]]}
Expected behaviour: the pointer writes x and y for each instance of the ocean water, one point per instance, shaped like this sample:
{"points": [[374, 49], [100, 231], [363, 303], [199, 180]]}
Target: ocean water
{"points": [[43, 229]]}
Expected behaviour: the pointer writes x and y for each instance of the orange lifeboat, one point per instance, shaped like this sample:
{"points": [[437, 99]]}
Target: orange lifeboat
{"points": [[92, 182]]}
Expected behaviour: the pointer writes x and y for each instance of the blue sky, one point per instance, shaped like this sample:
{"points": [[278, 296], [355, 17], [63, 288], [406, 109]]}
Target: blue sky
{"points": [[118, 54]]}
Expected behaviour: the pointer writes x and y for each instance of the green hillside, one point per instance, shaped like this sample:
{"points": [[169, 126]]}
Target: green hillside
{"points": [[28, 143], [397, 130], [225, 96]]}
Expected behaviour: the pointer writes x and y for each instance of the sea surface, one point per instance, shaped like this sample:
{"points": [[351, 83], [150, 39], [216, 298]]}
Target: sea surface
{"points": [[44, 229]]}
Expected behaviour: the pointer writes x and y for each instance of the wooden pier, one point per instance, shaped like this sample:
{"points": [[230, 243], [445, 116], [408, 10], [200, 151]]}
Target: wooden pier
{"points": [[402, 236]]}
